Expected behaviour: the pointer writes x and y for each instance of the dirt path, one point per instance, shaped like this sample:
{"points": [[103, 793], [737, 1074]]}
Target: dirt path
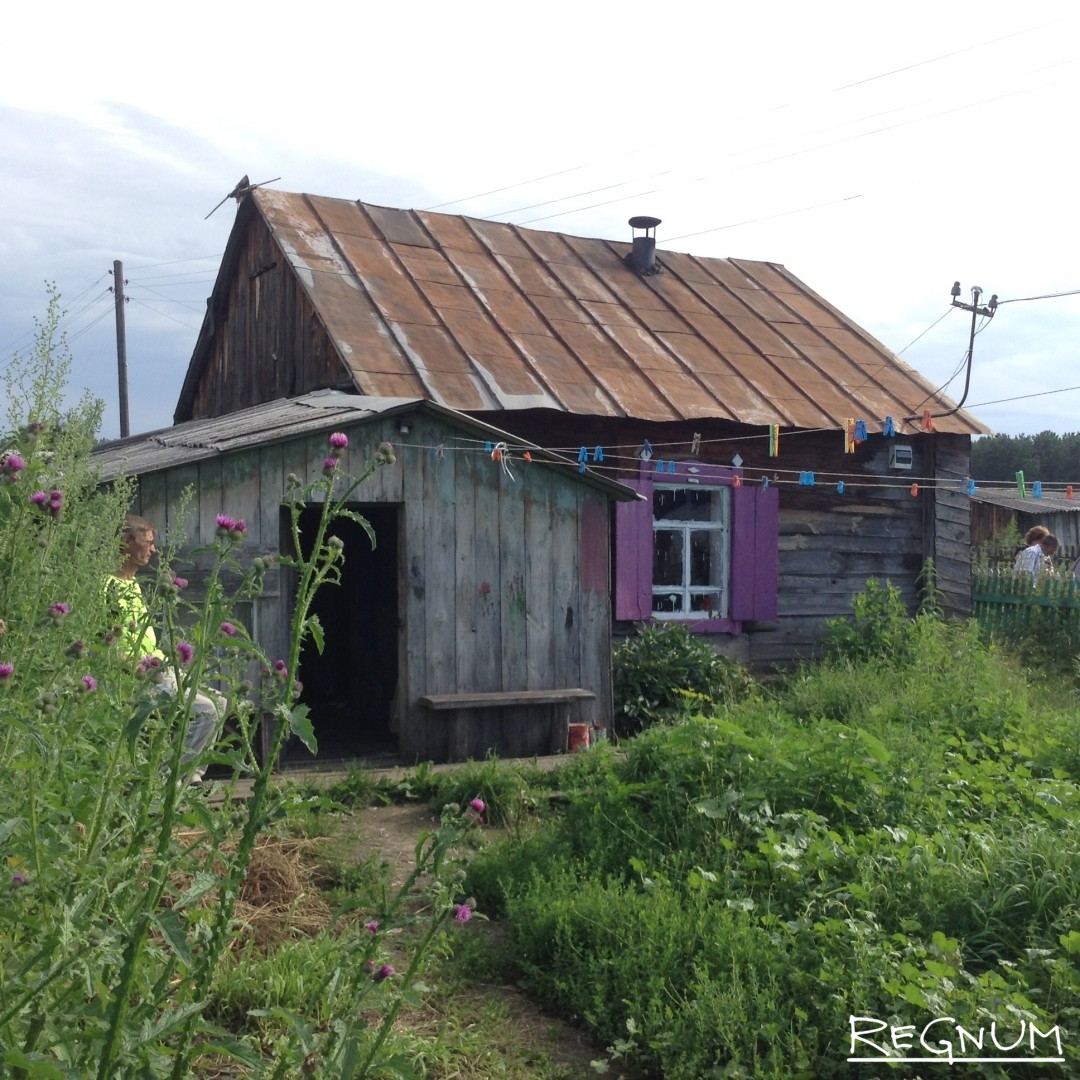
{"points": [[391, 833]]}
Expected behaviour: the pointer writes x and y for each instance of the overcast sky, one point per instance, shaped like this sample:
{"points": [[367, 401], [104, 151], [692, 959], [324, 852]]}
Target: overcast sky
{"points": [[880, 152]]}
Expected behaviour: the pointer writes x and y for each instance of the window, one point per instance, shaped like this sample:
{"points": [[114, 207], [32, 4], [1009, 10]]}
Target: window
{"points": [[697, 547], [691, 551]]}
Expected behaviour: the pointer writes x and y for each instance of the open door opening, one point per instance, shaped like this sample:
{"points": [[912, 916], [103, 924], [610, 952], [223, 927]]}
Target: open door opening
{"points": [[351, 686]]}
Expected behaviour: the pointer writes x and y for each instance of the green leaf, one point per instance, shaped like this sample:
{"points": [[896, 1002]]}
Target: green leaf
{"points": [[135, 722], [200, 885], [172, 929], [300, 726], [315, 629]]}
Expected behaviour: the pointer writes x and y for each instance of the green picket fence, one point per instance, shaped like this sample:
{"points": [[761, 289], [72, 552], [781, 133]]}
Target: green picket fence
{"points": [[1011, 608]]}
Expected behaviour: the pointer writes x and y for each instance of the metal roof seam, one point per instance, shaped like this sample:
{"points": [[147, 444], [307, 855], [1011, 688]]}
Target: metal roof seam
{"points": [[754, 349]]}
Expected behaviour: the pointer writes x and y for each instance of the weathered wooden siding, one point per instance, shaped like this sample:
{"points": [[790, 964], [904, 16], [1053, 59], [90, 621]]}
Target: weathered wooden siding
{"points": [[264, 340], [502, 582], [830, 543]]}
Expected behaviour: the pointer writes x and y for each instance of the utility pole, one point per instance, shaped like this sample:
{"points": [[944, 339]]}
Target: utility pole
{"points": [[121, 345], [987, 311]]}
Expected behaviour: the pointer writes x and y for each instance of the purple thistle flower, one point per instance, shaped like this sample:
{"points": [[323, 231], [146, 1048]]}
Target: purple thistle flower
{"points": [[39, 498], [60, 610], [329, 465], [384, 972], [180, 582], [477, 805], [11, 464], [184, 652], [280, 670], [6, 671], [56, 502], [339, 440], [224, 523], [89, 683], [19, 879], [463, 913], [228, 629], [239, 527], [372, 927]]}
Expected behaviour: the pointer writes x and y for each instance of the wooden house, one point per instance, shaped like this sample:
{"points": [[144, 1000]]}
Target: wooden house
{"points": [[785, 455], [480, 620]]}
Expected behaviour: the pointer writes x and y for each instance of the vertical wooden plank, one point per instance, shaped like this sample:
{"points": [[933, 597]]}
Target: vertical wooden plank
{"points": [[595, 631], [466, 583], [488, 531], [514, 595], [565, 550], [540, 617]]}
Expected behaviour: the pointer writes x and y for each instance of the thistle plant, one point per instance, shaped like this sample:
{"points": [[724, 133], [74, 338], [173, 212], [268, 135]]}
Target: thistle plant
{"points": [[119, 890]]}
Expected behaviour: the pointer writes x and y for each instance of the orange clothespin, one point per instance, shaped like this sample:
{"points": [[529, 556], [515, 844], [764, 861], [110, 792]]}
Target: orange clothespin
{"points": [[927, 421], [527, 456], [914, 489], [736, 481], [1068, 491]]}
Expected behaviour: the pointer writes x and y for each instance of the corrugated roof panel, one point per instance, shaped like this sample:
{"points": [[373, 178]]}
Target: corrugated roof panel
{"points": [[398, 226], [471, 234], [400, 291]]}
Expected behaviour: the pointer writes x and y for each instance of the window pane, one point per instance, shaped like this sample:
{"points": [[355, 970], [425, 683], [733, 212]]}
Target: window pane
{"points": [[667, 603], [702, 566], [668, 557], [688, 504], [710, 603]]}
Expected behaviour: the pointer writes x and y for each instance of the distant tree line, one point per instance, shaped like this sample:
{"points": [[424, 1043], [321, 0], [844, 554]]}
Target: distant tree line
{"points": [[1048, 456]]}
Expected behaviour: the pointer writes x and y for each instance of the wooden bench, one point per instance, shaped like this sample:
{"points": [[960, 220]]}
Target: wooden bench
{"points": [[513, 723]]}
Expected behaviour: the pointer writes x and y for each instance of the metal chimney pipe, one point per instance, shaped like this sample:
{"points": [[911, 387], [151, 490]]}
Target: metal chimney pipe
{"points": [[642, 257]]}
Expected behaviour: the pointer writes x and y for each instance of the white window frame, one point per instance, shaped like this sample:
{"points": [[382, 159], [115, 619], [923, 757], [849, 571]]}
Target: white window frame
{"points": [[721, 577]]}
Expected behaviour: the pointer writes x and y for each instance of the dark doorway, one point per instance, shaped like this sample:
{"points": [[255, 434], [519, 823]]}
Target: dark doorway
{"points": [[350, 687]]}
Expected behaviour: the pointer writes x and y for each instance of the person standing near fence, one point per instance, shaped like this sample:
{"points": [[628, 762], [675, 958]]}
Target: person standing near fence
{"points": [[1037, 558]]}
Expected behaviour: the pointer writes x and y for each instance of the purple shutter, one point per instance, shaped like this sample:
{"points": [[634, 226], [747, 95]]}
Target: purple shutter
{"points": [[634, 553], [755, 543]]}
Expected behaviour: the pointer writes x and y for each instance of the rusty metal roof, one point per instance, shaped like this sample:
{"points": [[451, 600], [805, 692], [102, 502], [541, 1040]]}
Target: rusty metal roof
{"points": [[291, 418], [483, 316]]}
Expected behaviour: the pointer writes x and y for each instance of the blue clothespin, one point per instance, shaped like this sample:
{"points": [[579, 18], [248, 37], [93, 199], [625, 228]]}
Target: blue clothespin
{"points": [[889, 428], [488, 447], [860, 431], [583, 456], [840, 487], [598, 454], [970, 487], [1036, 490], [646, 451], [672, 466], [764, 482], [806, 479], [660, 466]]}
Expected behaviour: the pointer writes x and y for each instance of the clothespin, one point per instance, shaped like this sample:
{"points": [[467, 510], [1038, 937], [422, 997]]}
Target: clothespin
{"points": [[840, 487], [889, 428], [527, 456], [695, 446], [672, 467], [1068, 491], [806, 479], [860, 431], [598, 454], [583, 457], [1036, 490], [500, 452], [646, 451], [849, 436], [764, 482], [774, 440], [970, 487], [927, 421], [736, 481], [487, 447], [1021, 487], [439, 453], [914, 489]]}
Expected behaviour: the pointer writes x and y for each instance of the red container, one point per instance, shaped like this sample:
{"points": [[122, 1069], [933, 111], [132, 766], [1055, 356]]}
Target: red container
{"points": [[577, 737]]}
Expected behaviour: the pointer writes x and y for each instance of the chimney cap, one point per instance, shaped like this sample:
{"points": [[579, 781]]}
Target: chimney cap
{"points": [[642, 222]]}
